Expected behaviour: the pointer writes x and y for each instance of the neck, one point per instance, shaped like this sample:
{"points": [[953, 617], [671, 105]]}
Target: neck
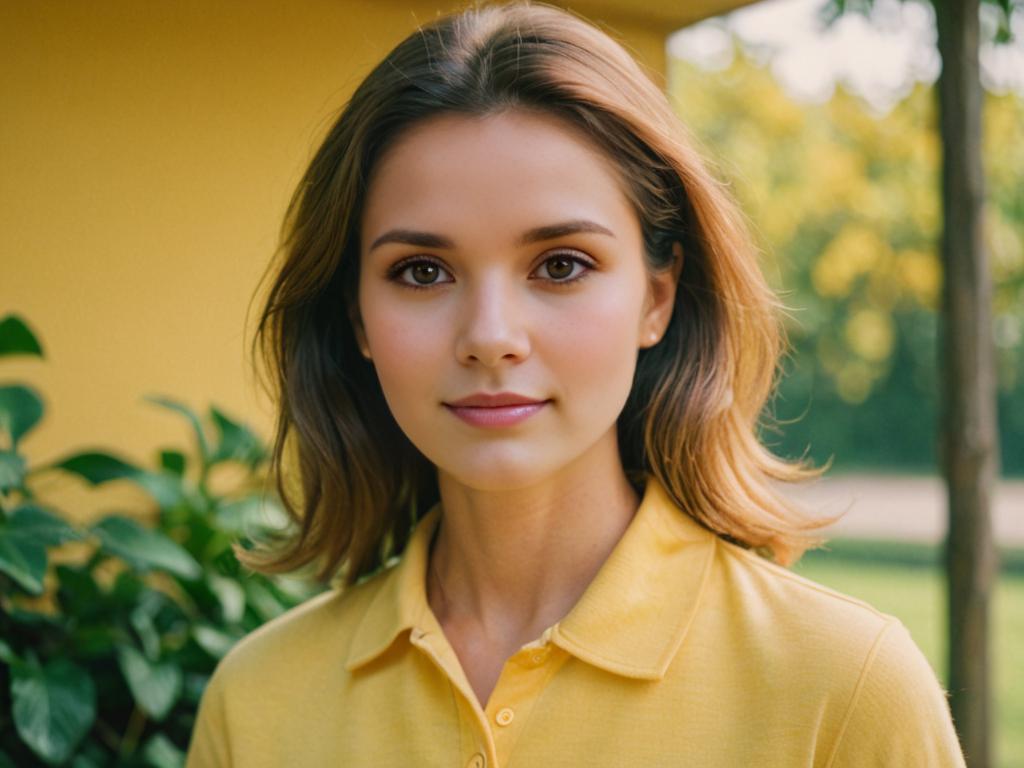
{"points": [[510, 564]]}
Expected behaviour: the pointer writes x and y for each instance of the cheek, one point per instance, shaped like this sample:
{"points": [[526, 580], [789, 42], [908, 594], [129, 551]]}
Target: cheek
{"points": [[396, 342], [597, 351], [406, 345]]}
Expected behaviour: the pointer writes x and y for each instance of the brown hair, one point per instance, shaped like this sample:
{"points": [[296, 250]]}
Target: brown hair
{"points": [[692, 416]]}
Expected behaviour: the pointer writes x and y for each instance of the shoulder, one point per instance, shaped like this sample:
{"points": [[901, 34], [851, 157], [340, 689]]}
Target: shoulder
{"points": [[312, 639], [859, 663], [268, 674], [792, 603]]}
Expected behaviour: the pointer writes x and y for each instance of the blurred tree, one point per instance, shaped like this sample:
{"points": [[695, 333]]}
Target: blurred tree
{"points": [[846, 205]]}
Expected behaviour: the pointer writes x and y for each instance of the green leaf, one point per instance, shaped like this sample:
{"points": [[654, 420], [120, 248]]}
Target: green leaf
{"points": [[85, 761], [160, 752], [23, 541], [12, 471], [16, 338], [78, 592], [97, 468], [235, 442], [214, 641], [7, 654], [92, 755], [263, 600], [188, 413], [5, 761], [142, 620], [145, 548], [251, 514], [53, 706], [155, 685], [21, 408], [230, 595], [24, 561], [32, 522], [164, 487], [173, 462]]}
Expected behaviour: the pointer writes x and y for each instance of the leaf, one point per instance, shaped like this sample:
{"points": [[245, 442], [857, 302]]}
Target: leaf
{"points": [[251, 513], [155, 685], [160, 752], [21, 408], [145, 548], [16, 338], [142, 621], [263, 600], [24, 561], [7, 654], [213, 640], [32, 522], [231, 597], [188, 413], [84, 761], [97, 468], [235, 442], [78, 591], [173, 462], [12, 471], [165, 488], [53, 706]]}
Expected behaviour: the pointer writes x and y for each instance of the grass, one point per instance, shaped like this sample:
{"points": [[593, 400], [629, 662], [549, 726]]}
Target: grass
{"points": [[906, 580]]}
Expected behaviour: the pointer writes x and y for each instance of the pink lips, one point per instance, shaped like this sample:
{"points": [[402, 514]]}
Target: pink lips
{"points": [[498, 410]]}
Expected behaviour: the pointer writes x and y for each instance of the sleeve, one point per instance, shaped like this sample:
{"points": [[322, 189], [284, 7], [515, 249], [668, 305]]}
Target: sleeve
{"points": [[209, 747], [899, 713]]}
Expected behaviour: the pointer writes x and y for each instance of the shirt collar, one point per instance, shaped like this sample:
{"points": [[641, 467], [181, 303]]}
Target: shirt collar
{"points": [[631, 619]]}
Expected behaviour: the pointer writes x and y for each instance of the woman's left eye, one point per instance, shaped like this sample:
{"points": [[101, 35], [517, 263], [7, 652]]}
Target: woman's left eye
{"points": [[561, 268]]}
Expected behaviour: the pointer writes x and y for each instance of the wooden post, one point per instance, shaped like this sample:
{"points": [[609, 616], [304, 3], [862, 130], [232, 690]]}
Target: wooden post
{"points": [[969, 449]]}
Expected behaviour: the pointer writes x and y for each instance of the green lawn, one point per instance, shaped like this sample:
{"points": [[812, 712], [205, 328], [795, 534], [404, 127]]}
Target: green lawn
{"points": [[914, 591]]}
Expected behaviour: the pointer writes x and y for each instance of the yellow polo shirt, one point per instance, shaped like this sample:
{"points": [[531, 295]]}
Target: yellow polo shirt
{"points": [[685, 650]]}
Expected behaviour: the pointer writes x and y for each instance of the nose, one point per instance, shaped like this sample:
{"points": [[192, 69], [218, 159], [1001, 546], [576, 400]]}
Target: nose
{"points": [[492, 326]]}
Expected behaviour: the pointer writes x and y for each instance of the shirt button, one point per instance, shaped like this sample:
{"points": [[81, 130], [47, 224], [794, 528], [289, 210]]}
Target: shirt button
{"points": [[504, 716], [539, 657], [476, 761]]}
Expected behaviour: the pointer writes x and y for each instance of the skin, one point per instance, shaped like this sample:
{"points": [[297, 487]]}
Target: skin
{"points": [[530, 511]]}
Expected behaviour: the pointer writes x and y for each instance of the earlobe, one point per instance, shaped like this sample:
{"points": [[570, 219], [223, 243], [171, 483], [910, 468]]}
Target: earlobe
{"points": [[359, 333]]}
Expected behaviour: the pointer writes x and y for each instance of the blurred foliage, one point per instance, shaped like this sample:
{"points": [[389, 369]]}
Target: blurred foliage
{"points": [[846, 206], [103, 659]]}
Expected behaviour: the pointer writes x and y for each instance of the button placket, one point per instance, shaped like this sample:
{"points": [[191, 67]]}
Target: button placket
{"points": [[477, 718]]}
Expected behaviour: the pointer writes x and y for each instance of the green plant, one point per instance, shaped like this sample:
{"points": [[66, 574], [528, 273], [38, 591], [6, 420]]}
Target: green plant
{"points": [[109, 672]]}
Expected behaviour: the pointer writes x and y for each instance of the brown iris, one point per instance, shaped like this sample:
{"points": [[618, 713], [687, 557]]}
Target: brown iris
{"points": [[563, 268], [426, 270]]}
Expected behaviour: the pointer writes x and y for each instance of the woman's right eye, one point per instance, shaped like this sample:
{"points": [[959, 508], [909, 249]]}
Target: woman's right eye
{"points": [[422, 273]]}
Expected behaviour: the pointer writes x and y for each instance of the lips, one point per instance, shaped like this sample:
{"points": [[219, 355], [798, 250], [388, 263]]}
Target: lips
{"points": [[498, 400], [503, 409]]}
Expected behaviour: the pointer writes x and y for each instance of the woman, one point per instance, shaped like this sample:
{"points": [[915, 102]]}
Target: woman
{"points": [[521, 345]]}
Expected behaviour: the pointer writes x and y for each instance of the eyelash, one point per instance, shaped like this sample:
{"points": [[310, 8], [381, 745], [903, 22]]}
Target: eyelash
{"points": [[396, 271]]}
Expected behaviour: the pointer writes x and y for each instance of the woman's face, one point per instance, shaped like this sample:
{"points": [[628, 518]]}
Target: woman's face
{"points": [[501, 255]]}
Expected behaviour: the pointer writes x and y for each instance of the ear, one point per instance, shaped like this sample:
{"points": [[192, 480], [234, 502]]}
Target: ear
{"points": [[661, 298], [355, 317]]}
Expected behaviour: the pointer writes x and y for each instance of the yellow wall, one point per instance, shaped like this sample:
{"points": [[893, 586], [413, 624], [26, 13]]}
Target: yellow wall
{"points": [[147, 151]]}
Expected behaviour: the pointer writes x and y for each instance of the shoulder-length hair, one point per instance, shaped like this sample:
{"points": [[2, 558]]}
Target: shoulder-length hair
{"points": [[697, 397]]}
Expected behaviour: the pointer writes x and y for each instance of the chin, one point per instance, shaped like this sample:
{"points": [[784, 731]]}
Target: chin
{"points": [[497, 474]]}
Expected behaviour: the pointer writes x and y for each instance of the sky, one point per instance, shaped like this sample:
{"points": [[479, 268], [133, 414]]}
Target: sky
{"points": [[881, 60]]}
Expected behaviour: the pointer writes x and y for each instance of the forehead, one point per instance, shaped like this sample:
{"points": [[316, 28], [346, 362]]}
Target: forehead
{"points": [[511, 167]]}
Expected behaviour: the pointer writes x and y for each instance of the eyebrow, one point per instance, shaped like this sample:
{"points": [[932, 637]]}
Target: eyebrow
{"points": [[536, 235]]}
